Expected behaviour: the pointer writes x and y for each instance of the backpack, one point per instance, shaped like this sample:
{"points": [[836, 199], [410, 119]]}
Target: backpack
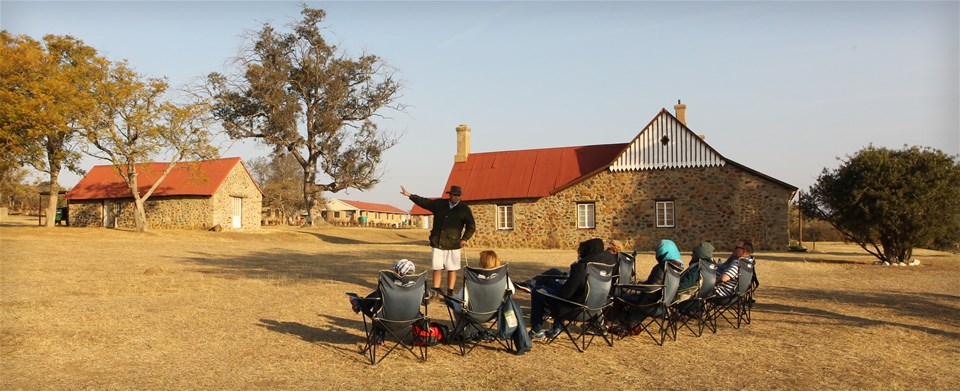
{"points": [[427, 333]]}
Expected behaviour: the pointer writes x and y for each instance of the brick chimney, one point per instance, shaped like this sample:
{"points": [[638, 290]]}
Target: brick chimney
{"points": [[681, 110], [463, 143]]}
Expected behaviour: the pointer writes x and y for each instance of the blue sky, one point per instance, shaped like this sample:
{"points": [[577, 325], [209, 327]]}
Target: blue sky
{"points": [[782, 87]]}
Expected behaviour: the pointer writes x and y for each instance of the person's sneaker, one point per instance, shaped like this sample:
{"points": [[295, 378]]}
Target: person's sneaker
{"points": [[537, 335], [553, 333], [596, 331]]}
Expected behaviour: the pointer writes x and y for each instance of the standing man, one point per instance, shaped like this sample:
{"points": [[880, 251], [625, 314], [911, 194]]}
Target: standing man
{"points": [[453, 226]]}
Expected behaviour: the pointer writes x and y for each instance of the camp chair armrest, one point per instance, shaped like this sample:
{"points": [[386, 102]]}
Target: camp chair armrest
{"points": [[555, 297], [451, 298], [367, 299], [644, 288], [553, 276]]}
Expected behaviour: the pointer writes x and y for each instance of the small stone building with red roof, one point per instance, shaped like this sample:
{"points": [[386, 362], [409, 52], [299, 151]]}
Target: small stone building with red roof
{"points": [[352, 212], [666, 183], [194, 195]]}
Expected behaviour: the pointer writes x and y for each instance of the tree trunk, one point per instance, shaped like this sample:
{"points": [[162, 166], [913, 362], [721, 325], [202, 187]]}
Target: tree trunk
{"points": [[310, 193], [54, 190], [139, 215]]}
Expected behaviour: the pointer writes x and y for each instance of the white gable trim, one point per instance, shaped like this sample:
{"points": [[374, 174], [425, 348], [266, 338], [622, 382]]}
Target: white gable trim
{"points": [[682, 149]]}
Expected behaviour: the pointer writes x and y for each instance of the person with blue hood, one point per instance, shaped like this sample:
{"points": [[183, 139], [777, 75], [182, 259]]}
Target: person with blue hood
{"points": [[570, 286], [667, 252]]}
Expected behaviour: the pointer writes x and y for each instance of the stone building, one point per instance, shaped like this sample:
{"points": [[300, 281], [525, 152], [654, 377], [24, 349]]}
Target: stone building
{"points": [[666, 183], [194, 195], [351, 212]]}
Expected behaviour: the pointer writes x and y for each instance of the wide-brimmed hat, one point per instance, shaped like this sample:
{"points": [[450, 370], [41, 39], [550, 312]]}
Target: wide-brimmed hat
{"points": [[455, 190]]}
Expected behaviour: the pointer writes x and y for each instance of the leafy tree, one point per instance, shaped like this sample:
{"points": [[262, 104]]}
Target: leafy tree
{"points": [[15, 190], [277, 176], [304, 96], [133, 123], [890, 201], [45, 88]]}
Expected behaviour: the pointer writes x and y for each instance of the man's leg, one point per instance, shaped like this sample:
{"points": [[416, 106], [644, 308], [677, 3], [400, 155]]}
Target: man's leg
{"points": [[437, 260], [451, 280], [451, 264], [436, 278]]}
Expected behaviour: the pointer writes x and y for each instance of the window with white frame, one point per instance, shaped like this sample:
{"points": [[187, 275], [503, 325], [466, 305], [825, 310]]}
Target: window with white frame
{"points": [[665, 215], [504, 217], [586, 217]]}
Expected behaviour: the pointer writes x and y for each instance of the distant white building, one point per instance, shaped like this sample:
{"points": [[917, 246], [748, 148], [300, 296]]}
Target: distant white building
{"points": [[338, 211]]}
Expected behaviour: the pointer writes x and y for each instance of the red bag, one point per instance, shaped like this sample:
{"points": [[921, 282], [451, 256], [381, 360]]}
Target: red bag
{"points": [[426, 333]]}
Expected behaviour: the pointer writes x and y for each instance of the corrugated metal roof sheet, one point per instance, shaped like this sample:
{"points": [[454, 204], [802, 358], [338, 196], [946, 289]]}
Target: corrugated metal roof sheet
{"points": [[186, 178], [416, 210], [531, 173], [374, 207]]}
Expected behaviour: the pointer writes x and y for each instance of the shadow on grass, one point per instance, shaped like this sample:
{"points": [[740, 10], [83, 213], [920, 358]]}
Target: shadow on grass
{"points": [[338, 339], [801, 259], [358, 268], [352, 267], [930, 308], [344, 240]]}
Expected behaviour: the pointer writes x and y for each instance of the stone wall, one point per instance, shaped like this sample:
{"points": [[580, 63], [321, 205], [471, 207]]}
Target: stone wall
{"points": [[238, 184], [718, 204], [85, 213], [191, 212], [185, 212]]}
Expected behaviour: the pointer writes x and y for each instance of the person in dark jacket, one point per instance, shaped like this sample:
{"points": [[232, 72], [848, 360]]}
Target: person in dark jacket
{"points": [[570, 286], [453, 226], [667, 253]]}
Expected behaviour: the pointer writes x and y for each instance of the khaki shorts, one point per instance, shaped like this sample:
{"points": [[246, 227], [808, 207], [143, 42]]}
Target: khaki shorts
{"points": [[446, 259]]}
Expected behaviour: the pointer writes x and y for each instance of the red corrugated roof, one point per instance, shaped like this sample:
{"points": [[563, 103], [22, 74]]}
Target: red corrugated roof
{"points": [[416, 210], [531, 173], [186, 178], [374, 207]]}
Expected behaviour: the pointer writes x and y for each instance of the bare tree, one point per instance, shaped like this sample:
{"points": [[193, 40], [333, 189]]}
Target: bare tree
{"points": [[304, 96], [277, 175]]}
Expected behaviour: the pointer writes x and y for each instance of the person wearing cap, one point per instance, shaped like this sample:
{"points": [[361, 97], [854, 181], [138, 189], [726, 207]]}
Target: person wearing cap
{"points": [[453, 226], [691, 276], [402, 267]]}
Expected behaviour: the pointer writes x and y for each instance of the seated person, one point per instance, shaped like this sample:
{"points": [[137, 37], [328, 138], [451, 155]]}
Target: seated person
{"points": [[568, 286], [615, 247], [488, 260], [667, 252], [729, 271], [690, 277], [403, 267]]}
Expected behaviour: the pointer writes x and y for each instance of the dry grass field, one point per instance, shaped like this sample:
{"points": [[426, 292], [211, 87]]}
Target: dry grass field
{"points": [[266, 310]]}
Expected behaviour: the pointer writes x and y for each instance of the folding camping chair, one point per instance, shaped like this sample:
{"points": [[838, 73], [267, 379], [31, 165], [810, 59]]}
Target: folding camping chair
{"points": [[736, 307], [402, 305], [694, 312], [587, 315], [626, 270], [475, 316], [640, 317]]}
